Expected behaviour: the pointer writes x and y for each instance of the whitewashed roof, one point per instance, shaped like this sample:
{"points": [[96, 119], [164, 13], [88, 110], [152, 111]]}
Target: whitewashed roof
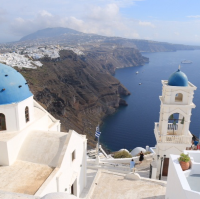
{"points": [[137, 150]]}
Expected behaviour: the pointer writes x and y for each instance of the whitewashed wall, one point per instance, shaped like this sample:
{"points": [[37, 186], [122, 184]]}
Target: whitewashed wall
{"points": [[21, 112], [15, 114], [177, 185], [3, 154], [10, 116], [10, 147], [61, 179], [14, 144]]}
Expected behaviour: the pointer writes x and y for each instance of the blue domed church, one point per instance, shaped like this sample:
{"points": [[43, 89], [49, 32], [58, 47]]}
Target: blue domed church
{"points": [[16, 100], [172, 131], [35, 157]]}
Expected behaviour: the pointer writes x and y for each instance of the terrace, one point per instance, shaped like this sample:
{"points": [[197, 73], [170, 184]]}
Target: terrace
{"points": [[115, 185], [184, 184], [193, 175], [23, 177], [173, 135]]}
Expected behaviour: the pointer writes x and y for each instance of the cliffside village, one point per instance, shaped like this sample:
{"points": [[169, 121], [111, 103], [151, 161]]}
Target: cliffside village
{"points": [[27, 57]]}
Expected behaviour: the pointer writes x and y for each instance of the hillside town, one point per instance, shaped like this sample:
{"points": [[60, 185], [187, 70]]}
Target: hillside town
{"points": [[28, 57]]}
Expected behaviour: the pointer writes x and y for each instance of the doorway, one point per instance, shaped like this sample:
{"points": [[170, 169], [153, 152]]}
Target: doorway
{"points": [[165, 167], [74, 188], [2, 122]]}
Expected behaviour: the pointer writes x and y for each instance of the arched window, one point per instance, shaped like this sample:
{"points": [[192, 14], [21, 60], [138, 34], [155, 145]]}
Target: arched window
{"points": [[26, 114], [179, 97], [2, 122]]}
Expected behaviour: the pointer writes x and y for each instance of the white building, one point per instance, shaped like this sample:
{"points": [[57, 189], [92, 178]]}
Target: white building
{"points": [[184, 184], [35, 157], [172, 132]]}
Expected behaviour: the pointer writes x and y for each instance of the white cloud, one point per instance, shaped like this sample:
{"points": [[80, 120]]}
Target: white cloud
{"points": [[194, 16], [177, 33], [185, 31], [102, 17], [104, 20], [99, 16], [120, 3], [107, 20], [109, 12], [43, 20], [45, 13], [3, 16], [146, 23]]}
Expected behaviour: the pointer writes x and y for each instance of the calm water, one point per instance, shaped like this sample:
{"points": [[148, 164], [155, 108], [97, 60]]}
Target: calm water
{"points": [[133, 125]]}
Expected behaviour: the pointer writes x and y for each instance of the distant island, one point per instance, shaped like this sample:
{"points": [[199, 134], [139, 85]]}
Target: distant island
{"points": [[69, 36]]}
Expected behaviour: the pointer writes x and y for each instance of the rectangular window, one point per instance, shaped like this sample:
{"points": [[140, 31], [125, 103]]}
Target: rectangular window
{"points": [[2, 122], [26, 114], [73, 155]]}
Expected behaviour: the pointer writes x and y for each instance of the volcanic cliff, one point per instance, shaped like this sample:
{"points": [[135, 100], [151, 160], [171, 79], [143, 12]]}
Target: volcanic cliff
{"points": [[75, 91]]}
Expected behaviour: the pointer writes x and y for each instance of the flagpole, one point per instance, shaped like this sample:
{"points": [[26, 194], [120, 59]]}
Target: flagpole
{"points": [[97, 135], [98, 143], [98, 148]]}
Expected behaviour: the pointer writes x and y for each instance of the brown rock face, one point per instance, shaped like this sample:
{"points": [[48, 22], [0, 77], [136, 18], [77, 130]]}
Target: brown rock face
{"points": [[75, 92], [110, 58]]}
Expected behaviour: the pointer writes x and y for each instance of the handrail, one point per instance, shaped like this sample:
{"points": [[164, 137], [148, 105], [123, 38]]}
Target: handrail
{"points": [[180, 139]]}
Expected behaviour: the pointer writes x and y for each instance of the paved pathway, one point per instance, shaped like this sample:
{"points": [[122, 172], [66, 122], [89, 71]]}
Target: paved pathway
{"points": [[113, 186]]}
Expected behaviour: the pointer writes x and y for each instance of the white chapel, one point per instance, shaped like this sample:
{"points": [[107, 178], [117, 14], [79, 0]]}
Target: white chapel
{"points": [[172, 131], [35, 157]]}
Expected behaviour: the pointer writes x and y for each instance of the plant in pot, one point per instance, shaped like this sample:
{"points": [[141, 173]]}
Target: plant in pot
{"points": [[184, 161]]}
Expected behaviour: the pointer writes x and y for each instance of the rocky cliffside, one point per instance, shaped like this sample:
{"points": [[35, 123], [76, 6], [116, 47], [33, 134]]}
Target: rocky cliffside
{"points": [[110, 58], [148, 45], [75, 91]]}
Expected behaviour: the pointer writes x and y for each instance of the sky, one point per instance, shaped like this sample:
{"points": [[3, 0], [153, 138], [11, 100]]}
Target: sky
{"points": [[175, 21]]}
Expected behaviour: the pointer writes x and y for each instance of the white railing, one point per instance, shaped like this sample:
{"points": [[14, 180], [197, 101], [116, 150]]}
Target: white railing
{"points": [[117, 167], [181, 139], [110, 166], [178, 139], [171, 126]]}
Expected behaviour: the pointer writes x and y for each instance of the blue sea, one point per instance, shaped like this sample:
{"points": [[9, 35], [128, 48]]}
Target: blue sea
{"points": [[133, 125]]}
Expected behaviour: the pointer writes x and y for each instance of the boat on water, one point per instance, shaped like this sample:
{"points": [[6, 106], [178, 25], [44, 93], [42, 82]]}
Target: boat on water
{"points": [[140, 83], [186, 62], [137, 72]]}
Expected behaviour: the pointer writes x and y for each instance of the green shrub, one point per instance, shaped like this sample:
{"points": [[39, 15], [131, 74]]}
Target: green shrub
{"points": [[184, 158], [122, 154]]}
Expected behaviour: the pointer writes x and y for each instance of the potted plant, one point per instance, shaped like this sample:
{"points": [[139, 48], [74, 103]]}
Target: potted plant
{"points": [[184, 161]]}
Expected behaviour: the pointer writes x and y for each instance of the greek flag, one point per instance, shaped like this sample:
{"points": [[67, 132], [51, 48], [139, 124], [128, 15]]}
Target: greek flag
{"points": [[97, 133]]}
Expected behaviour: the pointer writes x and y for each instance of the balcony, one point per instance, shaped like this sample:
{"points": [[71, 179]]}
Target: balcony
{"points": [[173, 136]]}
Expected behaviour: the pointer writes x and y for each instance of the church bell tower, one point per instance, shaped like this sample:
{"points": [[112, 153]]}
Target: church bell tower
{"points": [[172, 131]]}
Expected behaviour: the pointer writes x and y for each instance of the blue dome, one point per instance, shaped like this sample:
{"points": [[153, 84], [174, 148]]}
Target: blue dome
{"points": [[13, 86], [178, 78]]}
